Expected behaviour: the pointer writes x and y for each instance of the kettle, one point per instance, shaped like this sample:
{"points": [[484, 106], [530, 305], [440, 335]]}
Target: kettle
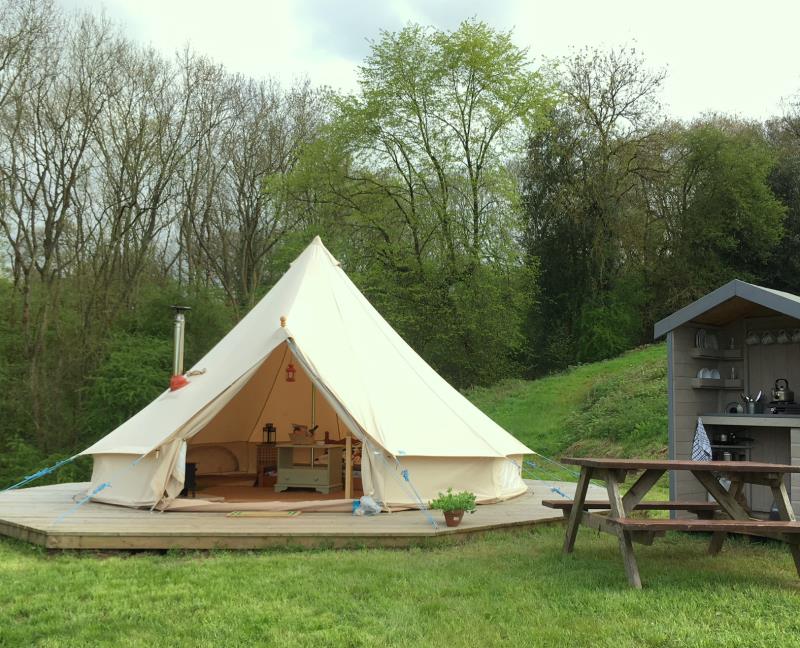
{"points": [[781, 393]]}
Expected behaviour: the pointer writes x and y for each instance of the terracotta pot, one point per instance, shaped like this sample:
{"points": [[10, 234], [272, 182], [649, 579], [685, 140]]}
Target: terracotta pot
{"points": [[453, 518]]}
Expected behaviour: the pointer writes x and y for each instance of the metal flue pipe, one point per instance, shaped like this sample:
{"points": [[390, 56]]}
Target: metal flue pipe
{"points": [[178, 380]]}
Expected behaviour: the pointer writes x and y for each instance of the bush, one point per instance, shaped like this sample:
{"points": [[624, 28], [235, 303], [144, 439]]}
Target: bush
{"points": [[135, 371], [19, 459]]}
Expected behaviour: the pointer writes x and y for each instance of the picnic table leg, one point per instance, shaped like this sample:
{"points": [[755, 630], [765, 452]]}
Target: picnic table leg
{"points": [[718, 538], [625, 542], [725, 498], [787, 514], [577, 508], [728, 501], [640, 488]]}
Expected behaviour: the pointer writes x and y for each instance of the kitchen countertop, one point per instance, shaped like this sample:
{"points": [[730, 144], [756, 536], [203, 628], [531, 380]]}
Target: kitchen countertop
{"points": [[752, 420]]}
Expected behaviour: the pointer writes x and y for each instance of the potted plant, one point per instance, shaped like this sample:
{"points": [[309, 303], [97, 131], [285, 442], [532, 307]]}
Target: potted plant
{"points": [[454, 505]]}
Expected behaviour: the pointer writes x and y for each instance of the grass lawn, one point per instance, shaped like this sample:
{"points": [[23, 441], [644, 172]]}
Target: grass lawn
{"points": [[504, 590], [512, 589]]}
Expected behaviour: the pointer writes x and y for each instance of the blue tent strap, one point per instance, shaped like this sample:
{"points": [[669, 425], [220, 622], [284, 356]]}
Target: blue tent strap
{"points": [[423, 506], [534, 468], [414, 493], [41, 473], [97, 489], [405, 481], [560, 465], [548, 479], [82, 501], [549, 474]]}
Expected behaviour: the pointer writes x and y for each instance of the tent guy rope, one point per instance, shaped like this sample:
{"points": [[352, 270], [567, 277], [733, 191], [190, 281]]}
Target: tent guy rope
{"points": [[41, 473]]}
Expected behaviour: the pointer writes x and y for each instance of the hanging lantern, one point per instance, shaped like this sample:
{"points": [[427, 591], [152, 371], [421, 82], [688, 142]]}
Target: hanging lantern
{"points": [[290, 371]]}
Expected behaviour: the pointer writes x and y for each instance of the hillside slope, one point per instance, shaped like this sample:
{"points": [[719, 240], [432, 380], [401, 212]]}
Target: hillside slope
{"points": [[616, 407]]}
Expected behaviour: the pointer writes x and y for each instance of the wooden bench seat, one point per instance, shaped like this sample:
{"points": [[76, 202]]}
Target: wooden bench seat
{"points": [[758, 527], [566, 505]]}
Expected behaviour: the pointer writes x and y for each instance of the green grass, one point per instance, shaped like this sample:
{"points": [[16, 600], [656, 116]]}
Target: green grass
{"points": [[505, 590], [513, 589], [615, 407]]}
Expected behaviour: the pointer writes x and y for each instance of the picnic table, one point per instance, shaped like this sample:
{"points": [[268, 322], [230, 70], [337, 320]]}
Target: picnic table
{"points": [[729, 502]]}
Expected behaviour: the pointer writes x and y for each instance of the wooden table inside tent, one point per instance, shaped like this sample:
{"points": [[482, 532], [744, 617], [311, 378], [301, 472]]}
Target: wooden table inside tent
{"points": [[730, 502], [322, 476]]}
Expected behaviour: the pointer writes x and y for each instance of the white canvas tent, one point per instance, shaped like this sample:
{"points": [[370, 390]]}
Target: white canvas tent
{"points": [[370, 383]]}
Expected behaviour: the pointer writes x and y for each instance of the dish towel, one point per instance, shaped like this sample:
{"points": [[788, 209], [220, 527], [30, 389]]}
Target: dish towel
{"points": [[701, 446]]}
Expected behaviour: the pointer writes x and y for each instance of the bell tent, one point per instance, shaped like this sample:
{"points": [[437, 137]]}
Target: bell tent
{"points": [[314, 341]]}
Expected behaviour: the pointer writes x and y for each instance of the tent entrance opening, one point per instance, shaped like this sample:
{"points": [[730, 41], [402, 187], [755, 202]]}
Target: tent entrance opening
{"points": [[277, 439]]}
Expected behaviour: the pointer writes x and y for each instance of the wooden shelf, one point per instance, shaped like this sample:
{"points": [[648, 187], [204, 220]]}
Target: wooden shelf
{"points": [[723, 446], [707, 383], [724, 354], [752, 420], [717, 383]]}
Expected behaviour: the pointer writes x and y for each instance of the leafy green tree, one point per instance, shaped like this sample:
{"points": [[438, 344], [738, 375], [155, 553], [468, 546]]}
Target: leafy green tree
{"points": [[580, 179], [418, 194], [135, 371], [719, 218], [783, 269]]}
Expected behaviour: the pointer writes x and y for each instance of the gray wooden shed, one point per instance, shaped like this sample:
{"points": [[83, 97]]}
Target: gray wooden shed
{"points": [[740, 338]]}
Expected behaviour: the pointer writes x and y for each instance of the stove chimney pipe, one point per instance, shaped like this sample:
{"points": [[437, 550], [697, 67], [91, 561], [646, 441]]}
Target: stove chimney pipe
{"points": [[178, 380]]}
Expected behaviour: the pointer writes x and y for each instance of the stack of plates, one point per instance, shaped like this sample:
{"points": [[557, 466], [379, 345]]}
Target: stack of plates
{"points": [[706, 341]]}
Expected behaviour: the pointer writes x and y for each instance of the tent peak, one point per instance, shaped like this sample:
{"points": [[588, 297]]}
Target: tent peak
{"points": [[317, 245]]}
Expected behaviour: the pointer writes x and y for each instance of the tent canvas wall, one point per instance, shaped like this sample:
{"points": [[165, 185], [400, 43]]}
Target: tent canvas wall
{"points": [[372, 384]]}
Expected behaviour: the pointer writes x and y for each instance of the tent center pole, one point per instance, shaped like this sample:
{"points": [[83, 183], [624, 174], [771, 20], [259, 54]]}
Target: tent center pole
{"points": [[348, 470]]}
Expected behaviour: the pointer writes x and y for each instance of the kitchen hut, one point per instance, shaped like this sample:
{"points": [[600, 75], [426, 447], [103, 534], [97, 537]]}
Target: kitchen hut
{"points": [[723, 351]]}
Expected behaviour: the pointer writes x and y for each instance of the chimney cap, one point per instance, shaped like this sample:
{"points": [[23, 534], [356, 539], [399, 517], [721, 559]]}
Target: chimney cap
{"points": [[180, 309]]}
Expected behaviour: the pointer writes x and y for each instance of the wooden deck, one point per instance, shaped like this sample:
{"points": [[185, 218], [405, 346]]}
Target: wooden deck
{"points": [[32, 515]]}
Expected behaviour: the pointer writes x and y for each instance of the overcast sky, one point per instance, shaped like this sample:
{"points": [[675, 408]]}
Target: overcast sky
{"points": [[735, 57]]}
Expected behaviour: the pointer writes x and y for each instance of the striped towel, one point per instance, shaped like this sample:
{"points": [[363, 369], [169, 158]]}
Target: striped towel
{"points": [[701, 446]]}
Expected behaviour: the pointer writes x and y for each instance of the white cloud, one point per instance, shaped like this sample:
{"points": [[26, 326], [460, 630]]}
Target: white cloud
{"points": [[734, 57]]}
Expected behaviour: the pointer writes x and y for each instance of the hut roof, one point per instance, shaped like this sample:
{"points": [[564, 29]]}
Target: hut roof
{"points": [[734, 300]]}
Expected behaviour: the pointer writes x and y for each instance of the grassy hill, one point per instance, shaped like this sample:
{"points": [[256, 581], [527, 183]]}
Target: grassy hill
{"points": [[616, 407]]}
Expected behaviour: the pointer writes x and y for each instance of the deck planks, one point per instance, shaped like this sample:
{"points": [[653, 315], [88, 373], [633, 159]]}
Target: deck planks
{"points": [[31, 515]]}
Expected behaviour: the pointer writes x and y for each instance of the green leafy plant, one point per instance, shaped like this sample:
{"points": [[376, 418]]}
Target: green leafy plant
{"points": [[450, 501]]}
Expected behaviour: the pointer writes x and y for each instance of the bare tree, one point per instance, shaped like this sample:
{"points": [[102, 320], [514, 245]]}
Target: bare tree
{"points": [[56, 101], [246, 213]]}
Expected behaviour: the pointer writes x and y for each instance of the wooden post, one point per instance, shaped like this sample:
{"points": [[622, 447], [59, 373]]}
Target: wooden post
{"points": [[348, 469], [724, 498], [727, 500], [625, 538], [577, 508], [787, 514], [640, 488], [718, 537]]}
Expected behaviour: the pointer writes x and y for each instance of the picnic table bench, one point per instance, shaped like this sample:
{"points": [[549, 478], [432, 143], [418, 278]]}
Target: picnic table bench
{"points": [[729, 501], [704, 510]]}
